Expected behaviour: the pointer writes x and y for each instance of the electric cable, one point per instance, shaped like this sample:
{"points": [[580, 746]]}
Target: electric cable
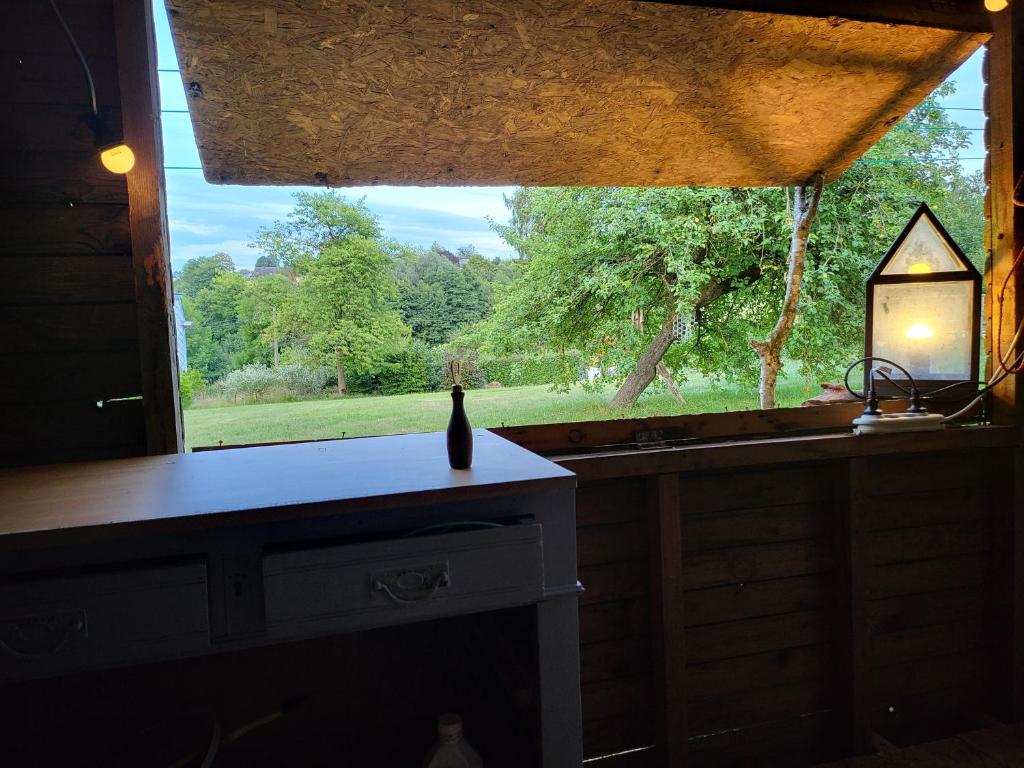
{"points": [[81, 57]]}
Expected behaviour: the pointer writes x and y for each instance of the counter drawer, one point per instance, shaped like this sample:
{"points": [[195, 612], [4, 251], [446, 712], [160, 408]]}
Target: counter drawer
{"points": [[347, 587], [52, 626]]}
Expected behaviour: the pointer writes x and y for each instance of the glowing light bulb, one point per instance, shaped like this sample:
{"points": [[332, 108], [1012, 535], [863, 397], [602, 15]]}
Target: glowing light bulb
{"points": [[919, 269], [996, 5], [919, 331], [118, 158]]}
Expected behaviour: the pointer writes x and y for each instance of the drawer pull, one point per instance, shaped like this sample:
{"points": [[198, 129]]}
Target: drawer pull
{"points": [[36, 637], [427, 584]]}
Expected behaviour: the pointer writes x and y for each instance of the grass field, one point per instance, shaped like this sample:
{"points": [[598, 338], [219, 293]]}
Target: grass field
{"points": [[360, 416]]}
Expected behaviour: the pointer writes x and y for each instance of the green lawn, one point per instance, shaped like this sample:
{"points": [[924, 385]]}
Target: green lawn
{"points": [[360, 416]]}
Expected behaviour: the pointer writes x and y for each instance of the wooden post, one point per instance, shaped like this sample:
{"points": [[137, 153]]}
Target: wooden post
{"points": [[1004, 106], [854, 633], [665, 526], [147, 212], [1004, 132]]}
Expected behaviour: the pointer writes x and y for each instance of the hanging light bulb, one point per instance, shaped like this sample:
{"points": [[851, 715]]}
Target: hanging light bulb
{"points": [[997, 5], [118, 158]]}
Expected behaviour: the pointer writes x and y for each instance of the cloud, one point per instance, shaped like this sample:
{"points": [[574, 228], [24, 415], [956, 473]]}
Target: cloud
{"points": [[193, 227]]}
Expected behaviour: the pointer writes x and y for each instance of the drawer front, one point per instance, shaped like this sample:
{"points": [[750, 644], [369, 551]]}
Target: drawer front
{"points": [[343, 588], [61, 625]]}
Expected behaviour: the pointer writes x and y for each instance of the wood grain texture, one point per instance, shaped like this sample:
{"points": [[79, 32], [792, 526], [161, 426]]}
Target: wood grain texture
{"points": [[461, 92], [151, 494], [71, 328], [779, 451], [73, 279], [140, 104], [668, 616], [949, 14], [72, 229]]}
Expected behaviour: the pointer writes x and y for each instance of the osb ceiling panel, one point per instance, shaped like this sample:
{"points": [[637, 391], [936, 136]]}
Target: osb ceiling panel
{"points": [[563, 92]]}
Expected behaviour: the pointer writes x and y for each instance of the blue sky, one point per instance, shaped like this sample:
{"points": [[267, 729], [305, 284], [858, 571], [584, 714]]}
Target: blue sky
{"points": [[206, 218]]}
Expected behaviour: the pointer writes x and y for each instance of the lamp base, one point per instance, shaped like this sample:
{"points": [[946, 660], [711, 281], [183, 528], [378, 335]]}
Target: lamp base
{"points": [[891, 423]]}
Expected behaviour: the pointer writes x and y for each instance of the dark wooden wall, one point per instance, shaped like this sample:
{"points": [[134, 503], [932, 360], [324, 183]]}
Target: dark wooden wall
{"points": [[748, 607], [71, 293]]}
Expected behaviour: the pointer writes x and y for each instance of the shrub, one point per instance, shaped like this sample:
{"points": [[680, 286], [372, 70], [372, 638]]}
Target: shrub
{"points": [[414, 368], [190, 384], [300, 380], [527, 370], [255, 381], [465, 362]]}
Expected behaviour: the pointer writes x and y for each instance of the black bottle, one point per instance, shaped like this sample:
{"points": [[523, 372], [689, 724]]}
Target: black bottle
{"points": [[460, 435]]}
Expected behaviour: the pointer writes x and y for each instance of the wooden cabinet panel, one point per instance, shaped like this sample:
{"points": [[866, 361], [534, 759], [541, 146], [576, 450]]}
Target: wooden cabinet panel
{"points": [[53, 625], [341, 588]]}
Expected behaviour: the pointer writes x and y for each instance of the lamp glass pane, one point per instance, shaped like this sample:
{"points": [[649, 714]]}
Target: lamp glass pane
{"points": [[925, 327], [924, 250]]}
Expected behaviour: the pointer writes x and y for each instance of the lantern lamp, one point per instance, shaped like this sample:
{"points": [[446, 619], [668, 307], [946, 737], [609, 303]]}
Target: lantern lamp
{"points": [[923, 310]]}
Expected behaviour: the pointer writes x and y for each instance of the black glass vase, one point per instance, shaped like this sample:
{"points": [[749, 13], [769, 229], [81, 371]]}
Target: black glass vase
{"points": [[460, 435]]}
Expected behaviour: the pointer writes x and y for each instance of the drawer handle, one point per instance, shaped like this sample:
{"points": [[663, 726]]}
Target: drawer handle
{"points": [[430, 589], [36, 637]]}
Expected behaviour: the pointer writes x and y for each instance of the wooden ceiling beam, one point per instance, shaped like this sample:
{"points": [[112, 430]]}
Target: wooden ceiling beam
{"points": [[961, 15]]}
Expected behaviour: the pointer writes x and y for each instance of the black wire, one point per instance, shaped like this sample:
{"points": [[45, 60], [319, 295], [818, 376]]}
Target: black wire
{"points": [[863, 396], [80, 55]]}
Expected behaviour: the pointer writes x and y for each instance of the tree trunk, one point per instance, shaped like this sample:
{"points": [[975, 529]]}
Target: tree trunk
{"points": [[805, 206], [340, 363], [664, 372], [277, 344], [646, 367]]}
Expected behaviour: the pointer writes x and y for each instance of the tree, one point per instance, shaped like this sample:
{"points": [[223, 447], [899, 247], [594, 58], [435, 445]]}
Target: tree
{"points": [[261, 316], [438, 298], [608, 271], [345, 305], [268, 260], [199, 273], [805, 207], [318, 219]]}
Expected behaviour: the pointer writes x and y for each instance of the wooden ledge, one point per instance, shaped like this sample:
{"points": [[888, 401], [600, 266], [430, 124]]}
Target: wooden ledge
{"points": [[729, 454]]}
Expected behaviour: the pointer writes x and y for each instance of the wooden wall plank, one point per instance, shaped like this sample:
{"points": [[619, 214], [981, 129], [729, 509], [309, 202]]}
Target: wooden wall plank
{"points": [[616, 620], [922, 642], [71, 328], [59, 376], [896, 614], [927, 576], [46, 78], [612, 543], [748, 600], [49, 279], [158, 357], [716, 642], [742, 565], [34, 29], [948, 470], [782, 704], [720, 492], [928, 542], [38, 434], [68, 229], [929, 507], [753, 526]]}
